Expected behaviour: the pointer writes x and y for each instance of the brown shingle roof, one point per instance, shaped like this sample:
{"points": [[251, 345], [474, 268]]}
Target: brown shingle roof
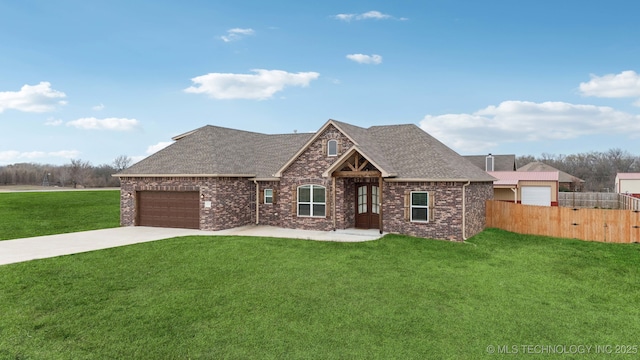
{"points": [[214, 150], [418, 155], [540, 166], [500, 162], [403, 151]]}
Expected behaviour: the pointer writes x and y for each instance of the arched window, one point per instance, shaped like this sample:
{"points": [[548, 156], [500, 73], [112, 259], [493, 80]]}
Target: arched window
{"points": [[332, 148], [312, 201]]}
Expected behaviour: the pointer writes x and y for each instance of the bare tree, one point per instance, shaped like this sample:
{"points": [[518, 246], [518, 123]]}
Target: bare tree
{"points": [[79, 172], [121, 162]]}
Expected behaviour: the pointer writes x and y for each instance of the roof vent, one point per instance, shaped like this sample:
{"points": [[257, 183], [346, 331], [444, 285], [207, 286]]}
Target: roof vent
{"points": [[489, 163]]}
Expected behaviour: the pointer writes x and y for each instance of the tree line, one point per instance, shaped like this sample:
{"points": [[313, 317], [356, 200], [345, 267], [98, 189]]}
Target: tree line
{"points": [[78, 173], [597, 169]]}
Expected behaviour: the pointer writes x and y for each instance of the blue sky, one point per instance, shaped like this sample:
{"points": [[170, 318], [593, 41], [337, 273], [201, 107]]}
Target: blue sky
{"points": [[92, 80]]}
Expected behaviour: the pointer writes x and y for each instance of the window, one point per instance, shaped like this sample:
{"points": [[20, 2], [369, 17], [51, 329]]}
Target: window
{"points": [[375, 200], [268, 196], [420, 206], [311, 201], [332, 148], [362, 199]]}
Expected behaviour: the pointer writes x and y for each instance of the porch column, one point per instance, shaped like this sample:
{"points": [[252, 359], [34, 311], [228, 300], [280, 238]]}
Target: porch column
{"points": [[333, 203]]}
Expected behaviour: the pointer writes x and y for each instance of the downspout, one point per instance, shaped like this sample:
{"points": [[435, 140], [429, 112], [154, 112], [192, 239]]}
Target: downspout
{"points": [[257, 201], [464, 210]]}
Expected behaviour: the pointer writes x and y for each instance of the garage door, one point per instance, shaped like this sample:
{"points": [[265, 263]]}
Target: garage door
{"points": [[536, 195], [177, 209]]}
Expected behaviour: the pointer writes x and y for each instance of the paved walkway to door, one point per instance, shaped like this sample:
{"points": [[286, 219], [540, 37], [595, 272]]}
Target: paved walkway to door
{"points": [[18, 250]]}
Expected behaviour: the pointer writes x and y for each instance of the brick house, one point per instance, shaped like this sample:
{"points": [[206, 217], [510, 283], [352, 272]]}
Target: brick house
{"points": [[395, 178]]}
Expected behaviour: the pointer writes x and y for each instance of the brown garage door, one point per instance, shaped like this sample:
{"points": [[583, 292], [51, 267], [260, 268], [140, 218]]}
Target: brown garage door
{"points": [[177, 209]]}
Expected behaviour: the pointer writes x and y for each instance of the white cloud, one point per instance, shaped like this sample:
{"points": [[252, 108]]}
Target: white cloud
{"points": [[11, 156], [261, 85], [151, 149], [53, 122], [32, 98], [520, 121], [116, 124], [157, 147], [236, 34], [98, 107], [373, 14], [365, 59], [67, 154], [623, 85], [344, 17]]}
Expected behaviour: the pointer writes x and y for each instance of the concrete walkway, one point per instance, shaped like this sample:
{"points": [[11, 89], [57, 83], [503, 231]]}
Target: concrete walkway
{"points": [[18, 250]]}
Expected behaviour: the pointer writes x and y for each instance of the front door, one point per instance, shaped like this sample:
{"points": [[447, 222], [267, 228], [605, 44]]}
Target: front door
{"points": [[367, 206]]}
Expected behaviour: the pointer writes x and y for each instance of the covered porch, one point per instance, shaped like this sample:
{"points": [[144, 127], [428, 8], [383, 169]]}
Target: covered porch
{"points": [[357, 189]]}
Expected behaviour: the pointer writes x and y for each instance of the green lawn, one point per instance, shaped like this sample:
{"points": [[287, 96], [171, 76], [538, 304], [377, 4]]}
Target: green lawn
{"points": [[399, 297], [26, 214]]}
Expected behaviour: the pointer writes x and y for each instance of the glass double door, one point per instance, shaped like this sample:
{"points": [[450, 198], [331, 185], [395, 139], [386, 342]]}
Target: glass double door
{"points": [[367, 206]]}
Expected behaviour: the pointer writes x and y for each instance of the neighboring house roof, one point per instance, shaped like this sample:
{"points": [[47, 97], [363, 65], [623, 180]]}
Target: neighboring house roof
{"points": [[628, 176], [402, 151], [500, 162], [512, 178], [540, 166]]}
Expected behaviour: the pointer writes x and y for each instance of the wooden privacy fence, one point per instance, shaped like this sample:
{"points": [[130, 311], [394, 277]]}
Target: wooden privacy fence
{"points": [[604, 225], [598, 200]]}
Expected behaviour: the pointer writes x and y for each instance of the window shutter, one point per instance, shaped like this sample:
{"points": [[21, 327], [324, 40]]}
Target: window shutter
{"points": [[407, 205], [261, 196], [274, 198], [294, 200], [432, 207], [324, 147]]}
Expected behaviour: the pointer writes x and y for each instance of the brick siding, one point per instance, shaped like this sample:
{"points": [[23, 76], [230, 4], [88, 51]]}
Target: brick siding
{"points": [[230, 198], [234, 199]]}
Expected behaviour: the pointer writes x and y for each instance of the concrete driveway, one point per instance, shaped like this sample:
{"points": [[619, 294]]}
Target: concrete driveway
{"points": [[18, 250]]}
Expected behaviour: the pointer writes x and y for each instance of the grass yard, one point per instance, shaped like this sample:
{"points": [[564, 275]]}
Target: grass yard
{"points": [[26, 214], [399, 297]]}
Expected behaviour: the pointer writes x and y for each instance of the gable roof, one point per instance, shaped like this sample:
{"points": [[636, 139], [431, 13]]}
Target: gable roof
{"points": [[540, 166], [500, 162], [628, 176], [511, 178], [404, 152]]}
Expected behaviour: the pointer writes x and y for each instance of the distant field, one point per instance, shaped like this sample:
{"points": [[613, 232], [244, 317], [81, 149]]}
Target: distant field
{"points": [[27, 214], [12, 188]]}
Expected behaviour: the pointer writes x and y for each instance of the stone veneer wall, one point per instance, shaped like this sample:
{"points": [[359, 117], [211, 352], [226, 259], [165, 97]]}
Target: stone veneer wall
{"points": [[269, 213], [308, 169], [232, 204], [447, 221], [477, 195], [230, 198]]}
